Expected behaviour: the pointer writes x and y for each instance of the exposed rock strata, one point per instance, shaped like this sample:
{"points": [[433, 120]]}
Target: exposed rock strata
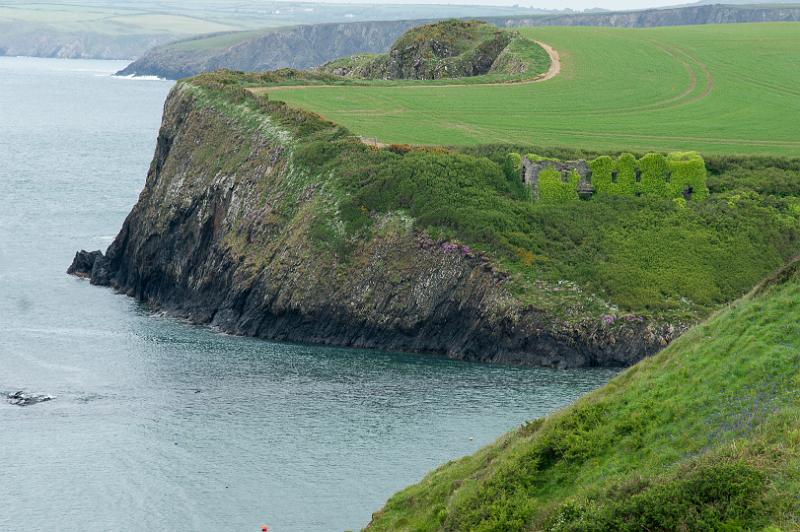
{"points": [[225, 247], [297, 47]]}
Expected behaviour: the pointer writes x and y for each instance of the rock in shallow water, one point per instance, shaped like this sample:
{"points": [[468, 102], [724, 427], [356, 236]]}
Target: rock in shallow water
{"points": [[92, 265], [27, 399], [83, 263]]}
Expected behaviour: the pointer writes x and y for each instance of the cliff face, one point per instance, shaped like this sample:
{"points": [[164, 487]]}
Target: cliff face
{"points": [[20, 39], [220, 235], [678, 16], [295, 47], [312, 45]]}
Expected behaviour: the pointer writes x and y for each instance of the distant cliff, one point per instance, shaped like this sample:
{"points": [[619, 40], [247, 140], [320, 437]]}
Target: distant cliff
{"points": [[298, 47], [312, 45], [678, 16], [30, 40]]}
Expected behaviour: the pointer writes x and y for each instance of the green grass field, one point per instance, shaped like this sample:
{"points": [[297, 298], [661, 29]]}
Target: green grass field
{"points": [[718, 89]]}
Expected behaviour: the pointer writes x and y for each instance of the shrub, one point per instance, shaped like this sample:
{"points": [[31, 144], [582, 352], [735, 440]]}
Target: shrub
{"points": [[512, 166], [710, 495]]}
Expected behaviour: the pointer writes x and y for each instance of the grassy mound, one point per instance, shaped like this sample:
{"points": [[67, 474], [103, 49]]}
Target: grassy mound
{"points": [[449, 49], [703, 436]]}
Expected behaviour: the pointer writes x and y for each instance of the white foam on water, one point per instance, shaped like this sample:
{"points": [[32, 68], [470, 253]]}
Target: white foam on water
{"points": [[139, 78]]}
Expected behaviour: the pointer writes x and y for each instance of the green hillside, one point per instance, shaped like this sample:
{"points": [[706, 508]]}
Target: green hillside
{"points": [[714, 89], [703, 436]]}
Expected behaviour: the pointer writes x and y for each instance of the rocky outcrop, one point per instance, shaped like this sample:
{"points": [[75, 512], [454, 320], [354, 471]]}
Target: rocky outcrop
{"points": [[312, 45], [448, 49], [228, 245]]}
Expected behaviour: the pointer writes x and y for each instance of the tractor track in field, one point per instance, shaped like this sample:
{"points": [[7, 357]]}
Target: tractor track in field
{"points": [[679, 100], [699, 76]]}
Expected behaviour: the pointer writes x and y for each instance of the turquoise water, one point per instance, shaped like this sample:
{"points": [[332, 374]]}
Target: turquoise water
{"points": [[160, 425]]}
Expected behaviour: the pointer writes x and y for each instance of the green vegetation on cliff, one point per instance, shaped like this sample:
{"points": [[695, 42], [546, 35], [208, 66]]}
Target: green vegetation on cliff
{"points": [[612, 257], [703, 436]]}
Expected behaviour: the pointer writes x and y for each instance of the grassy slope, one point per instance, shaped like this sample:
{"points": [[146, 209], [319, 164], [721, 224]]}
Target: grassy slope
{"points": [[704, 436], [715, 89]]}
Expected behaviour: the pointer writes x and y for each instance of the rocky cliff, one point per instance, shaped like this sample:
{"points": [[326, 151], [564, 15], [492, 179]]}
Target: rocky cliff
{"points": [[28, 39], [313, 45], [295, 47], [677, 16], [227, 232]]}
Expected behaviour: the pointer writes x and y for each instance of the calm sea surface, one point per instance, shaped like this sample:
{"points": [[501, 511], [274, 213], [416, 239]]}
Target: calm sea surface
{"points": [[160, 425]]}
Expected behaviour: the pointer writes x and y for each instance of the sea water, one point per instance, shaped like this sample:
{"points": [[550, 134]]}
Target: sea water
{"points": [[157, 424]]}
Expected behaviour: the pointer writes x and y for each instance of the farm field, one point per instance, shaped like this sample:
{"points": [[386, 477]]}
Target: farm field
{"points": [[716, 89]]}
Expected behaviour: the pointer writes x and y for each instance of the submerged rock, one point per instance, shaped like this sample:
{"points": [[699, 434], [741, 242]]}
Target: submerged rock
{"points": [[26, 399]]}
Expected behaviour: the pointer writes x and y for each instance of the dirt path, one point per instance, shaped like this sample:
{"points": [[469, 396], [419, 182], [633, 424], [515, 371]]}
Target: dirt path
{"points": [[555, 64]]}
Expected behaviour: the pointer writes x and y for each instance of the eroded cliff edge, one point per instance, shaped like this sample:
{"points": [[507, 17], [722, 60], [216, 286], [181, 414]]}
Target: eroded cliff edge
{"points": [[221, 235]]}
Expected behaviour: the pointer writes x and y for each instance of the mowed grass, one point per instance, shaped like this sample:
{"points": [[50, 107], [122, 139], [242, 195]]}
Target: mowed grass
{"points": [[718, 89]]}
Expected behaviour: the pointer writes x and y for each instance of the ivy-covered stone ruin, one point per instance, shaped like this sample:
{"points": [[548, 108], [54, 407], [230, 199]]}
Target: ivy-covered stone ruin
{"points": [[678, 175]]}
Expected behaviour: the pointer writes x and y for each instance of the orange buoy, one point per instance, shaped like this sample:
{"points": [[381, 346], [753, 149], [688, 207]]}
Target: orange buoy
{"points": [[264, 528]]}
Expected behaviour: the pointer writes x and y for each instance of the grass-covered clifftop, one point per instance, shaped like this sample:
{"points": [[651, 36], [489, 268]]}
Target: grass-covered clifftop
{"points": [[703, 436], [270, 221], [653, 89], [448, 49]]}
